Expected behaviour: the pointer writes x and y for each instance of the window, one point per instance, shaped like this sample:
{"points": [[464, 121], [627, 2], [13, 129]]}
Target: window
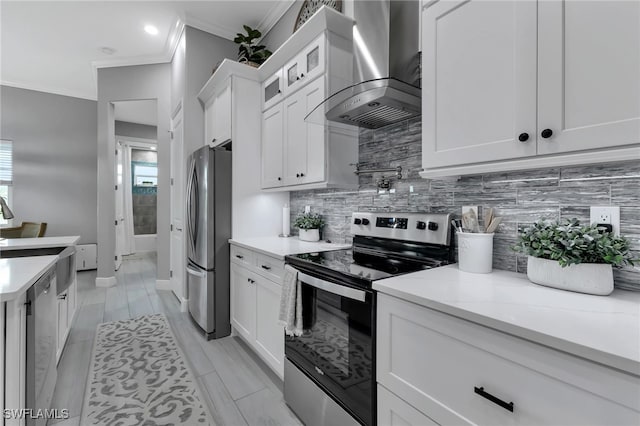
{"points": [[6, 174], [145, 175]]}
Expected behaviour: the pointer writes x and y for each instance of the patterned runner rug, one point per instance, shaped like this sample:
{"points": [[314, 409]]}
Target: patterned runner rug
{"points": [[138, 376]]}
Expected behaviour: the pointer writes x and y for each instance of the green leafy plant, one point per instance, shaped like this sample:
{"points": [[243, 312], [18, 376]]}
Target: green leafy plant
{"points": [[569, 242], [309, 221], [248, 50]]}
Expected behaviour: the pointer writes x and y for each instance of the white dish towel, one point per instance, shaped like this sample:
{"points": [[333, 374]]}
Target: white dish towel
{"points": [[291, 303]]}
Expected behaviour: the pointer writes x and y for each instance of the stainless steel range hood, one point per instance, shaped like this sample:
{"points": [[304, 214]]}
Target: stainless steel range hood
{"points": [[386, 67]]}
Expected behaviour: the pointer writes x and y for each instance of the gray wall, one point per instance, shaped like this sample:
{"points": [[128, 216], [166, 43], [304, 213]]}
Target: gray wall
{"points": [[124, 84], [136, 130], [54, 155], [283, 29], [521, 198], [203, 52]]}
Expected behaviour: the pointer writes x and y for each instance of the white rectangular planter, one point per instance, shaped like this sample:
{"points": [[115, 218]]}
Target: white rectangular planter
{"points": [[590, 278], [309, 235]]}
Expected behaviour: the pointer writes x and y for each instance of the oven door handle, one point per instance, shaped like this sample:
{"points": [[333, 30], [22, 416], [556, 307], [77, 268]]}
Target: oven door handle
{"points": [[341, 290]]}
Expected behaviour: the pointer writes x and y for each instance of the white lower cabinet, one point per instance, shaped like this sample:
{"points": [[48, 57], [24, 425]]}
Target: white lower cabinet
{"points": [[256, 284], [453, 371], [66, 308]]}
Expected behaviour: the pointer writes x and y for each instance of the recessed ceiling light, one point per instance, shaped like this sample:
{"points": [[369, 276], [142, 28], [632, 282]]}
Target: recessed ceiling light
{"points": [[150, 29], [153, 148], [107, 50]]}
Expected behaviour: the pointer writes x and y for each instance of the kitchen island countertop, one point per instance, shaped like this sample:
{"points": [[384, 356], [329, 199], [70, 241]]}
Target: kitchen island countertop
{"points": [[36, 243], [604, 329], [20, 273]]}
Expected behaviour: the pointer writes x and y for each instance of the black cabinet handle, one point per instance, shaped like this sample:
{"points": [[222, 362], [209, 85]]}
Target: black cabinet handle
{"points": [[279, 91], [480, 391], [250, 280], [298, 78], [297, 174], [266, 267], [239, 257], [279, 178], [523, 137], [301, 174], [62, 297], [546, 133], [302, 75]]}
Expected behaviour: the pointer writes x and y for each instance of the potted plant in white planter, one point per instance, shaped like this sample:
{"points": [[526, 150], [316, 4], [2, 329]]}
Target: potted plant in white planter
{"points": [[309, 225], [570, 256]]}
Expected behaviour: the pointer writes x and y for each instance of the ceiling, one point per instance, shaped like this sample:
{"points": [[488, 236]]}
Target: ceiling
{"points": [[56, 46]]}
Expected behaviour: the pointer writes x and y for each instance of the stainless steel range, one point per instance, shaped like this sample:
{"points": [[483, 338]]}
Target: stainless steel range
{"points": [[329, 375]]}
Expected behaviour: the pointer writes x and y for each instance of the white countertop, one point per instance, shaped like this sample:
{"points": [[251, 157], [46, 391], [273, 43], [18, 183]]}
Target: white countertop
{"points": [[34, 243], [280, 247], [605, 329], [20, 273]]}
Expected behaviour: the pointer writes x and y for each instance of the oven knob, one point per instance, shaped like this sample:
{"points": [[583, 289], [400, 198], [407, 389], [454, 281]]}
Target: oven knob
{"points": [[421, 225], [365, 221], [433, 226], [357, 221]]}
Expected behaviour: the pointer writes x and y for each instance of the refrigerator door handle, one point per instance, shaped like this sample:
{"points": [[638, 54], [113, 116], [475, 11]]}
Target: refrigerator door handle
{"points": [[199, 274]]}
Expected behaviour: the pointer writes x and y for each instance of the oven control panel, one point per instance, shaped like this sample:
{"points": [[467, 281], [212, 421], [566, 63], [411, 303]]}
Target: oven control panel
{"points": [[433, 228]]}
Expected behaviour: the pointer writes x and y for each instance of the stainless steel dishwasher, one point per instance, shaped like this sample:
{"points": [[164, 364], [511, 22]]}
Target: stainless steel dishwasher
{"points": [[41, 344]]}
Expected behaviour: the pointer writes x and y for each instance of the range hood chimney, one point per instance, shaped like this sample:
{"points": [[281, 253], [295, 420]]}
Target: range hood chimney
{"points": [[386, 67]]}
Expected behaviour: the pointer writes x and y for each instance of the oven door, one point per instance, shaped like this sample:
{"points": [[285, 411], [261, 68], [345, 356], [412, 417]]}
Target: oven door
{"points": [[336, 348]]}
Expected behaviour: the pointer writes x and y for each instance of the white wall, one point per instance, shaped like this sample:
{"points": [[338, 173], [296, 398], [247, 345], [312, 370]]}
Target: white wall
{"points": [[124, 84], [136, 130], [54, 155]]}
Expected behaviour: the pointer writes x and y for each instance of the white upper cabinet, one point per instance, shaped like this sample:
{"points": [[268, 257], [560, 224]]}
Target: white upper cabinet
{"points": [[217, 113], [311, 65], [479, 81], [522, 84], [588, 74]]}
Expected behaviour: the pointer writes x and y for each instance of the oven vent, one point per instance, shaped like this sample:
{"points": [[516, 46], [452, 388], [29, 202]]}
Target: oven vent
{"points": [[382, 116]]}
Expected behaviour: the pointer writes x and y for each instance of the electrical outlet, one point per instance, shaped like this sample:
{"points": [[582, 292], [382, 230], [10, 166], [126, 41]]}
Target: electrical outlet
{"points": [[608, 215], [307, 209]]}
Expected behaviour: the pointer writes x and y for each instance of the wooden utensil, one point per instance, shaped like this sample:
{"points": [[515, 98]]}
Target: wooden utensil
{"points": [[488, 217], [493, 225]]}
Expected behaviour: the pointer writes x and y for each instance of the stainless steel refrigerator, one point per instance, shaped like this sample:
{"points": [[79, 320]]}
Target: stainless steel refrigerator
{"points": [[208, 223]]}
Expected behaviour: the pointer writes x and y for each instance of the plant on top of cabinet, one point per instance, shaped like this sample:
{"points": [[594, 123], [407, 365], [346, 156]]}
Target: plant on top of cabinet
{"points": [[572, 256], [309, 225], [249, 52]]}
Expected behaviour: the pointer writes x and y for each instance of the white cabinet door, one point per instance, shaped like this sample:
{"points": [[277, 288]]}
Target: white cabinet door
{"points": [[479, 81], [269, 334], [243, 302], [272, 146], [272, 89], [393, 411], [72, 297], [209, 121], [588, 74], [222, 111], [304, 154], [312, 95], [295, 148]]}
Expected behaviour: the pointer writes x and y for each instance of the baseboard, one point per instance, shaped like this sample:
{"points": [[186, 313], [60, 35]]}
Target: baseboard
{"points": [[184, 304], [105, 281], [163, 285]]}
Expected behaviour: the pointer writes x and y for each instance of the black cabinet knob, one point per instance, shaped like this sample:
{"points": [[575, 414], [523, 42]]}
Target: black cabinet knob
{"points": [[279, 91], [279, 178], [546, 133], [357, 221], [301, 174], [523, 137], [297, 174], [302, 75], [365, 221], [298, 78]]}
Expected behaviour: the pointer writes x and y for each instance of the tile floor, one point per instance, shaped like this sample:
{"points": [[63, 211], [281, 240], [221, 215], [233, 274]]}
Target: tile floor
{"points": [[239, 388]]}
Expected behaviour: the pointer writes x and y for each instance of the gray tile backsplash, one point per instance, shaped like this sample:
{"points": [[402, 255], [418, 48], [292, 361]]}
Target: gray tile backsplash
{"points": [[520, 197]]}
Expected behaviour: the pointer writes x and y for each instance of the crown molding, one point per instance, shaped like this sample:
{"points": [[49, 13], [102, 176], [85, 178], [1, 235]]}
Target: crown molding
{"points": [[210, 28], [50, 90]]}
